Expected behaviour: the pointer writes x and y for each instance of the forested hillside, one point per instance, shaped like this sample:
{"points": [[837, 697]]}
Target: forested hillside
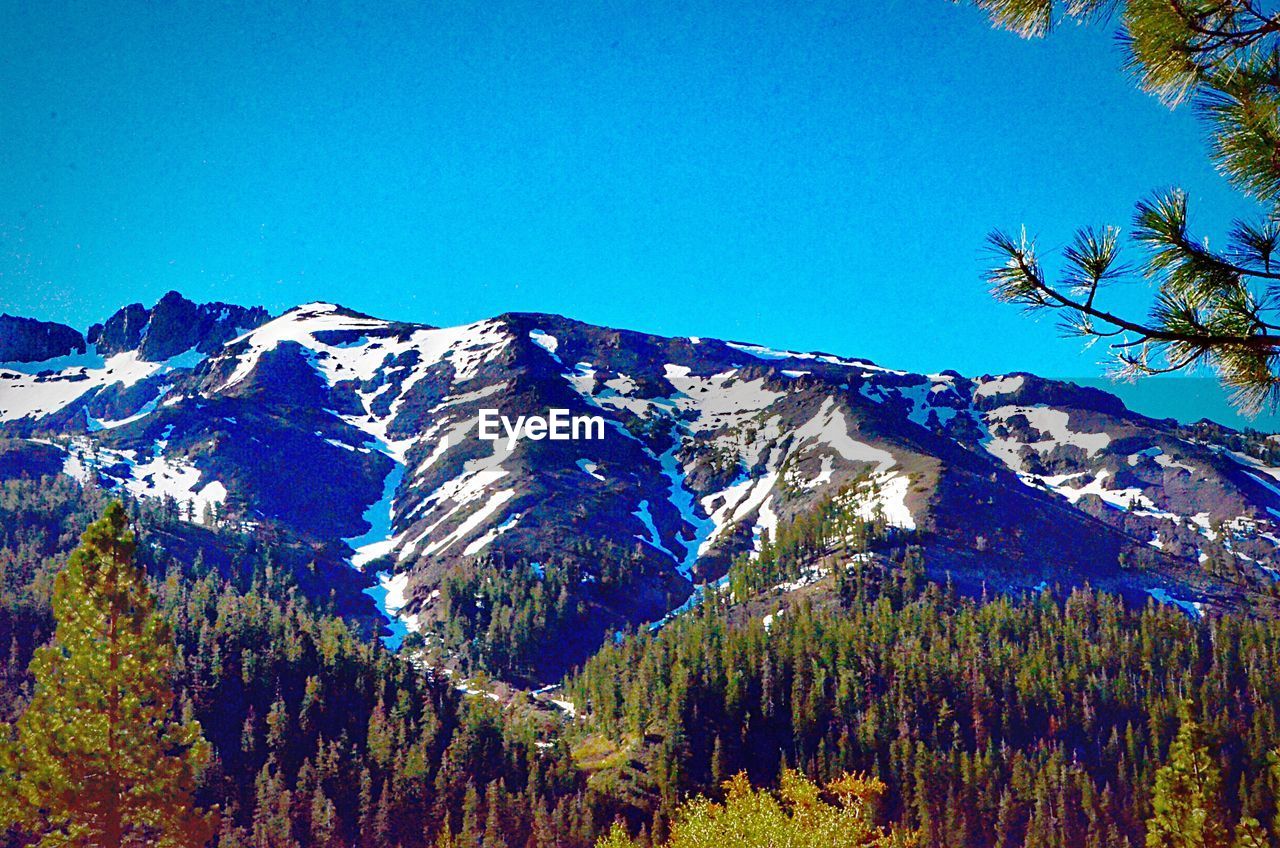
{"points": [[1037, 720], [321, 736], [355, 443]]}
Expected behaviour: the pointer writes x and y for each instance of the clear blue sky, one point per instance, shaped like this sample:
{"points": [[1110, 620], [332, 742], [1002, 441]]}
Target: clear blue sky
{"points": [[815, 176]]}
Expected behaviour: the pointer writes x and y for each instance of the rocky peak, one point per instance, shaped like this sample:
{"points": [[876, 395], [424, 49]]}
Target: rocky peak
{"points": [[174, 326], [29, 340]]}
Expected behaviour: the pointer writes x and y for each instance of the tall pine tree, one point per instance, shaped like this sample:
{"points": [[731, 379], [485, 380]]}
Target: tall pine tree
{"points": [[1187, 809], [98, 757]]}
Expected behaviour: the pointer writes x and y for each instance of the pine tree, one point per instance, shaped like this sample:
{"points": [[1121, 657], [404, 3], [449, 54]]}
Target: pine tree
{"points": [[1187, 809], [1213, 306], [99, 758]]}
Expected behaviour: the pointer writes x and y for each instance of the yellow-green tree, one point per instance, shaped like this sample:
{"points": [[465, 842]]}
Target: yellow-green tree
{"points": [[800, 815], [1186, 805], [98, 758]]}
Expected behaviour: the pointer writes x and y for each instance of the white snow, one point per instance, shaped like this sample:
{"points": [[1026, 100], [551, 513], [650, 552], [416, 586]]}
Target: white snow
{"points": [[1130, 499], [25, 393], [1054, 430], [96, 425], [622, 384], [768, 522], [455, 436], [335, 362], [768, 353], [153, 478], [1201, 519], [1164, 461], [389, 596], [566, 707], [466, 348], [721, 400], [831, 427], [470, 523], [472, 397], [590, 468], [739, 501], [547, 342], [999, 386], [891, 499], [454, 495], [492, 533], [824, 473]]}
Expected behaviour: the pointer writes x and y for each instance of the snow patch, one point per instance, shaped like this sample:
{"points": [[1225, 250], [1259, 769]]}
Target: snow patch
{"points": [[390, 598], [545, 341], [590, 469], [999, 386], [1195, 609], [494, 532]]}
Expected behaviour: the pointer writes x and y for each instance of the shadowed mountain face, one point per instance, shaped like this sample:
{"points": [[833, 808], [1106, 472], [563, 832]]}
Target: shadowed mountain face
{"points": [[362, 438], [29, 340]]}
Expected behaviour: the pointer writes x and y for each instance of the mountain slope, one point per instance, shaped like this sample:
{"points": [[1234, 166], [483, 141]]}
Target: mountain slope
{"points": [[360, 438]]}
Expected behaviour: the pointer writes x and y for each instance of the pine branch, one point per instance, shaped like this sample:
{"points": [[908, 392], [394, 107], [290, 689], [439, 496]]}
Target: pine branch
{"points": [[1020, 281]]}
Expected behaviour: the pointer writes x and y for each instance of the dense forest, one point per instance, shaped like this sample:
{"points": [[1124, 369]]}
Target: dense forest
{"points": [[1043, 720], [993, 722], [320, 735]]}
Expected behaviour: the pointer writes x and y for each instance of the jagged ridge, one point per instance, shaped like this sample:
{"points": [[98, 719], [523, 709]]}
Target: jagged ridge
{"points": [[358, 436]]}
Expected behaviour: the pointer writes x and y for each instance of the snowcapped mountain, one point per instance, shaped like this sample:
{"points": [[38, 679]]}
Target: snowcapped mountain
{"points": [[361, 437]]}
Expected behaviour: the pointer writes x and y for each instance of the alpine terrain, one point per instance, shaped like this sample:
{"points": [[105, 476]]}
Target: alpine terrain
{"points": [[357, 441]]}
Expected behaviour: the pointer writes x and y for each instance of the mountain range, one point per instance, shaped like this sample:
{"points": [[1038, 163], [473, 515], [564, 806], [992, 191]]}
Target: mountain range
{"points": [[358, 439]]}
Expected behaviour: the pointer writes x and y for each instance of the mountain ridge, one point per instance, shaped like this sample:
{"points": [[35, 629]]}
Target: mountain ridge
{"points": [[356, 436]]}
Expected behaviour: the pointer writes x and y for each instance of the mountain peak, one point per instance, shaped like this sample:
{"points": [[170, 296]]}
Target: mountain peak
{"points": [[173, 326], [361, 438], [29, 340]]}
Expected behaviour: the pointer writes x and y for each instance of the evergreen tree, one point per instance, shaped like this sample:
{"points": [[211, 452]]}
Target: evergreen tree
{"points": [[1213, 306], [99, 758], [1187, 809]]}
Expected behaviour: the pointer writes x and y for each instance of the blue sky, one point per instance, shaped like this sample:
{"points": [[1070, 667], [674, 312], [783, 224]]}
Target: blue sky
{"points": [[815, 176]]}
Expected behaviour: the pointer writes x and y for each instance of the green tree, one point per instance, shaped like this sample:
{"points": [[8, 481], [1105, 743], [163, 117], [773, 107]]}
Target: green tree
{"points": [[801, 814], [1249, 834], [1212, 306], [1186, 805], [98, 757]]}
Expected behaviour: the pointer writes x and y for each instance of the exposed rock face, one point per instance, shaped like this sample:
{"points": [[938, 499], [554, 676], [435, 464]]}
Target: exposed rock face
{"points": [[360, 438], [172, 327], [29, 340]]}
